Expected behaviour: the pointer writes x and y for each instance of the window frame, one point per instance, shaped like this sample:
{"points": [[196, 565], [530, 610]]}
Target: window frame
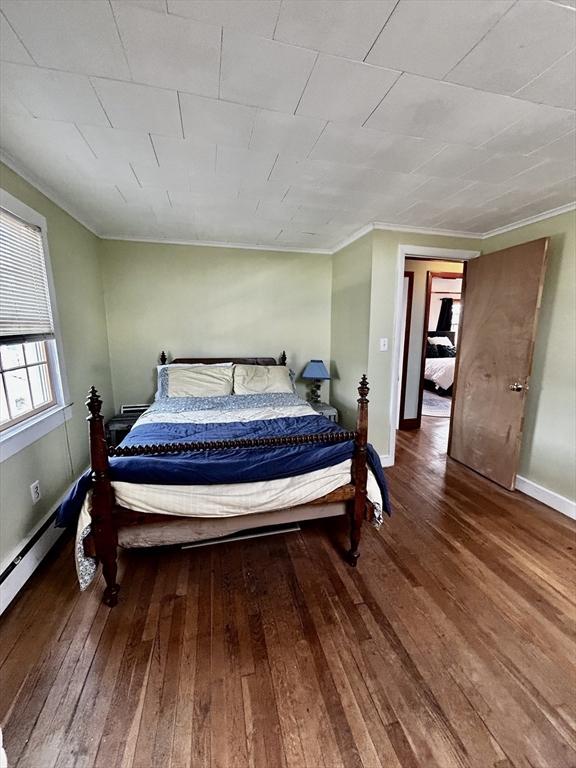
{"points": [[23, 433]]}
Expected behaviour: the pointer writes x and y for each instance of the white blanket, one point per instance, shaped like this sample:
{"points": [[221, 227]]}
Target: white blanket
{"points": [[440, 370]]}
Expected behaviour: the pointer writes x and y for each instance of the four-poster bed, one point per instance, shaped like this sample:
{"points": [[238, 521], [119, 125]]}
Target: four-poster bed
{"points": [[108, 517]]}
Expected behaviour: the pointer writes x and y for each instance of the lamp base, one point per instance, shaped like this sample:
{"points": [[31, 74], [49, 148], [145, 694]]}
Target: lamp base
{"points": [[315, 391]]}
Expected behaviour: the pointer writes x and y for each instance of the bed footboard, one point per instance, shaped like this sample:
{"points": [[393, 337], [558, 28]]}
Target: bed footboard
{"points": [[104, 535]]}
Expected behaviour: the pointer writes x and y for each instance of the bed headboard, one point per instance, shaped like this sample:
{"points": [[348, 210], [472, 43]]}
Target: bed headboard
{"points": [[450, 334], [237, 360]]}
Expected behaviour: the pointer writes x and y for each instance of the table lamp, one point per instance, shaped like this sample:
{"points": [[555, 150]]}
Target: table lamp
{"points": [[316, 372]]}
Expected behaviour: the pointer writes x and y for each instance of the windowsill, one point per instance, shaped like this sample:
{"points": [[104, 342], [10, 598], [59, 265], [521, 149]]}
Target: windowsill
{"points": [[20, 436]]}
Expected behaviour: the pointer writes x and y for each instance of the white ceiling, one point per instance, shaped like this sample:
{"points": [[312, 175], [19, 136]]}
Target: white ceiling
{"points": [[291, 123]]}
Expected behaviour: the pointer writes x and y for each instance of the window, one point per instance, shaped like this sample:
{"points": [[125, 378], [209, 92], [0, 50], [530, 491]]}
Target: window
{"points": [[32, 388], [27, 386]]}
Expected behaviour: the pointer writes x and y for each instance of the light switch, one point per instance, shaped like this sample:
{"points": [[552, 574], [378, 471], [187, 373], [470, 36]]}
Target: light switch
{"points": [[383, 345]]}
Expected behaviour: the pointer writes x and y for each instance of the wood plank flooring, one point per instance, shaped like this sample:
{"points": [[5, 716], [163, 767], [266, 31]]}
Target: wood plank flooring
{"points": [[450, 646]]}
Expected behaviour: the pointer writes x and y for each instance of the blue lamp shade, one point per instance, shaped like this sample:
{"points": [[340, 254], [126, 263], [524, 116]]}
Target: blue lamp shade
{"points": [[315, 369]]}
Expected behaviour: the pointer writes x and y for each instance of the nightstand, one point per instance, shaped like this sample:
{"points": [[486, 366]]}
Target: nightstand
{"points": [[326, 410], [118, 427]]}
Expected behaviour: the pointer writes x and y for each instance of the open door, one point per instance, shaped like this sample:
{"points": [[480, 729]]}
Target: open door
{"points": [[498, 328]]}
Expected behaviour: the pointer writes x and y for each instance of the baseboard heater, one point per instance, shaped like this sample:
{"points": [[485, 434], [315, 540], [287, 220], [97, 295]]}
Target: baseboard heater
{"points": [[249, 533]]}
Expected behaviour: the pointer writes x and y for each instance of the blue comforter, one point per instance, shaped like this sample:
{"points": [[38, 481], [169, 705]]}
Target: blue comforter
{"points": [[237, 465]]}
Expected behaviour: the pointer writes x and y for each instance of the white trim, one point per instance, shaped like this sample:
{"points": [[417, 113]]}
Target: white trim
{"points": [[530, 220], [444, 254], [404, 252], [427, 230], [44, 189], [25, 433], [352, 238], [546, 496], [14, 582], [386, 460], [218, 244], [21, 435]]}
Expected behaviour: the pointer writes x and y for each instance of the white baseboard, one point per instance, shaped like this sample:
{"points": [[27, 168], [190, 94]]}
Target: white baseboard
{"points": [[387, 461], [25, 567], [22, 566], [550, 498]]}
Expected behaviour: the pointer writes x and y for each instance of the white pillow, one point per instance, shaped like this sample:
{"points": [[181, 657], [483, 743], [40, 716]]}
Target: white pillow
{"points": [[261, 379], [443, 341], [195, 380]]}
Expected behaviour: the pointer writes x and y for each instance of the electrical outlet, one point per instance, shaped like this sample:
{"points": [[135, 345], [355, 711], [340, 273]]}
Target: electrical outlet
{"points": [[35, 491]]}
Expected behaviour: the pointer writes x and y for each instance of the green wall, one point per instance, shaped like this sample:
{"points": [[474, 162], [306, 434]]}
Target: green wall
{"points": [[548, 454], [74, 253], [205, 301], [351, 284]]}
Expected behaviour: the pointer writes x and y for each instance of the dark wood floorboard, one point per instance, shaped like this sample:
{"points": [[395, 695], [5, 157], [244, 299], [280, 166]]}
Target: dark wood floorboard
{"points": [[450, 646]]}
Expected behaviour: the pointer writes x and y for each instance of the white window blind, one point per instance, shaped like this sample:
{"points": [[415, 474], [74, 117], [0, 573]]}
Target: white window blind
{"points": [[25, 311]]}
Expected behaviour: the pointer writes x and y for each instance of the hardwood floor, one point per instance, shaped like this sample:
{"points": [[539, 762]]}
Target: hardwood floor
{"points": [[450, 646]]}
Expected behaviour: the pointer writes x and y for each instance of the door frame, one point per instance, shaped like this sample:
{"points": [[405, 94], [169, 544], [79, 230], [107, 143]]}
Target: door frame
{"points": [[407, 251], [429, 278], [402, 422]]}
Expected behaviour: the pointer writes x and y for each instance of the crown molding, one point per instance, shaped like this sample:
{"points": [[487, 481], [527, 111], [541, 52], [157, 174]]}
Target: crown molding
{"points": [[218, 244], [44, 189], [530, 220]]}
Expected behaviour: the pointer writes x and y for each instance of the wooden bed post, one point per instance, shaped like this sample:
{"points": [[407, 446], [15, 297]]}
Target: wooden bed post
{"points": [[282, 360], [163, 358], [103, 527], [358, 509]]}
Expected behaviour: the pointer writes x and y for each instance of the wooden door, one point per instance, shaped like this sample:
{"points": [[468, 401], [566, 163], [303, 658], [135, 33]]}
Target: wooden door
{"points": [[498, 327]]}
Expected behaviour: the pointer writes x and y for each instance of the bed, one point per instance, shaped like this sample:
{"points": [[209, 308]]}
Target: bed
{"points": [[439, 371], [203, 467]]}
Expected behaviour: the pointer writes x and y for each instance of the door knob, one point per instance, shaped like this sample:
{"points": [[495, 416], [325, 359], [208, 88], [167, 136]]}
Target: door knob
{"points": [[517, 387]]}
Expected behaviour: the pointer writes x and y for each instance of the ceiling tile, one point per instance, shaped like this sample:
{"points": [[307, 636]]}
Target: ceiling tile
{"points": [[418, 106], [75, 37], [122, 146], [263, 73], [163, 177], [159, 6], [217, 122], [542, 127], [555, 86], [170, 52], [344, 143], [255, 17], [454, 161], [346, 28], [11, 49], [264, 191], [501, 168], [429, 38], [155, 197], [139, 107], [30, 137], [242, 162], [480, 194], [344, 90], [53, 95], [526, 41], [288, 134], [563, 149], [434, 190], [421, 214], [196, 157], [548, 172], [404, 153]]}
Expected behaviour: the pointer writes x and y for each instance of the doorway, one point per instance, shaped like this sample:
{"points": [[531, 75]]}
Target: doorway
{"points": [[429, 343]]}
